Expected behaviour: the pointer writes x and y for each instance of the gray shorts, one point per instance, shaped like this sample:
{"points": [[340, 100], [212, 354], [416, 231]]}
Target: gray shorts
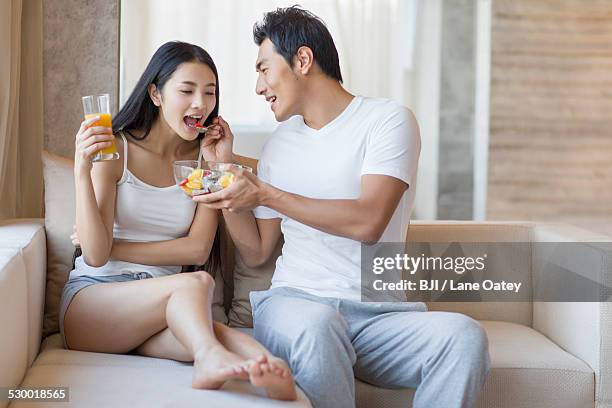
{"points": [[74, 285]]}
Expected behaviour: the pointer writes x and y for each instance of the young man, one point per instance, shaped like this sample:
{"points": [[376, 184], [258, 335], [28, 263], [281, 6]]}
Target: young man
{"points": [[338, 171]]}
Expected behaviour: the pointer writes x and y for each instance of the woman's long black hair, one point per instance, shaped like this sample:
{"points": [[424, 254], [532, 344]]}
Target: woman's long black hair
{"points": [[139, 113]]}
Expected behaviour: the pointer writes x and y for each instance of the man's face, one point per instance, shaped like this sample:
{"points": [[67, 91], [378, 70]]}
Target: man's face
{"points": [[277, 82]]}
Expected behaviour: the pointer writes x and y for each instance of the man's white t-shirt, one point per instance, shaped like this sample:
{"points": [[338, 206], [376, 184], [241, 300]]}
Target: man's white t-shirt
{"points": [[371, 136]]}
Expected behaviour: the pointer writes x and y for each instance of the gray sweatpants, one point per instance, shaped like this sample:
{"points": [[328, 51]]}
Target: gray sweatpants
{"points": [[328, 342]]}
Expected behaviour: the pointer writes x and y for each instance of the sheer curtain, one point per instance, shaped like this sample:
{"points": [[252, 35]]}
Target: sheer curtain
{"points": [[374, 44], [387, 48], [20, 108]]}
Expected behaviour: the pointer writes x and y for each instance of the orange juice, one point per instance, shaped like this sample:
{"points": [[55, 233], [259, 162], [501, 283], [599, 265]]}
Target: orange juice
{"points": [[106, 121]]}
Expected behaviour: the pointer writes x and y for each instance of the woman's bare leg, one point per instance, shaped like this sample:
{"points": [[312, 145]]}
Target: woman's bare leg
{"points": [[165, 345], [119, 317], [270, 372]]}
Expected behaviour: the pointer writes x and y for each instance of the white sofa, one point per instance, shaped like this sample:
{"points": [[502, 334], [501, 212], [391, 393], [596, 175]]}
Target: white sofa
{"points": [[556, 355]]}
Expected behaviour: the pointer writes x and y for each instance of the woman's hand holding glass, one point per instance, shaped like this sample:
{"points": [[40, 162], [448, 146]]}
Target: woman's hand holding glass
{"points": [[89, 140]]}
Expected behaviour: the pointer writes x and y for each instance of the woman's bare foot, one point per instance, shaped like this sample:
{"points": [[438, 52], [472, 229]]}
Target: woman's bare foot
{"points": [[273, 374], [213, 367]]}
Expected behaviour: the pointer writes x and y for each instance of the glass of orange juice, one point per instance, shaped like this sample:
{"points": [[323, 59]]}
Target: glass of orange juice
{"points": [[99, 105]]}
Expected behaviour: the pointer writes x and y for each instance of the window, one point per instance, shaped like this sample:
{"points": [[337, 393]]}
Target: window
{"points": [[373, 37]]}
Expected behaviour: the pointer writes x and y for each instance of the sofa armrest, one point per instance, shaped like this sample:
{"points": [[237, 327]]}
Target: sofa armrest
{"points": [[584, 329], [13, 316], [22, 288]]}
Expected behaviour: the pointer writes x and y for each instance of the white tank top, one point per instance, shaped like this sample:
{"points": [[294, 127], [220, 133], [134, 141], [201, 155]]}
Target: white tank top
{"points": [[143, 213]]}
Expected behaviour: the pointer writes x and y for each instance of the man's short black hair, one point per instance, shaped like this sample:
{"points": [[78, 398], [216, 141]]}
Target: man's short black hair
{"points": [[293, 27]]}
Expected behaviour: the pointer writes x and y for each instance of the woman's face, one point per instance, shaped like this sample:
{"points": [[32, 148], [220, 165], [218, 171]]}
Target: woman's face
{"points": [[187, 98]]}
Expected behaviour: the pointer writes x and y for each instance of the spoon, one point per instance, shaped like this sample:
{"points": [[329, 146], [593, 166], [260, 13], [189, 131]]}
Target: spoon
{"points": [[200, 128]]}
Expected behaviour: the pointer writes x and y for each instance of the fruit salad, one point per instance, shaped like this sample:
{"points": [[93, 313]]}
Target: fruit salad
{"points": [[202, 181]]}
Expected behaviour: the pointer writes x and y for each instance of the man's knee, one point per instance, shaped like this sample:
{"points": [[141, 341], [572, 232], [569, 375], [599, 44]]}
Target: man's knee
{"points": [[468, 340]]}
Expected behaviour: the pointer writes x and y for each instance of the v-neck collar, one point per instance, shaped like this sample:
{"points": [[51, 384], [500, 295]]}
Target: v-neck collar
{"points": [[350, 108]]}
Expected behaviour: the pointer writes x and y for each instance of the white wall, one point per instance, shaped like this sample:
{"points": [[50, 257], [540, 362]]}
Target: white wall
{"points": [[481, 128], [425, 99]]}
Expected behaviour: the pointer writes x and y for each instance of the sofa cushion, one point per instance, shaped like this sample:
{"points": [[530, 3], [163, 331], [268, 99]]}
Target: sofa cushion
{"points": [[528, 370], [59, 221], [112, 380], [247, 279], [481, 232]]}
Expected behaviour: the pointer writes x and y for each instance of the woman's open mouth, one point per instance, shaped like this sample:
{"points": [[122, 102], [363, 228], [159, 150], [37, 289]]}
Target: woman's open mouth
{"points": [[193, 121]]}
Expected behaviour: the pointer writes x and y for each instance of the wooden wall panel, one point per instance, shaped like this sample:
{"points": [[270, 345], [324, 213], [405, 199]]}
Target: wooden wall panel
{"points": [[80, 57], [551, 110]]}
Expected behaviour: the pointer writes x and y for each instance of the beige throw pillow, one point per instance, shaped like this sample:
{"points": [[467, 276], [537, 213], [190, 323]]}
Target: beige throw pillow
{"points": [[59, 220], [248, 279]]}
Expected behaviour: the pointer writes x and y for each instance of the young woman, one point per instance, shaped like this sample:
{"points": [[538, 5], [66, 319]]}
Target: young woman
{"points": [[136, 228]]}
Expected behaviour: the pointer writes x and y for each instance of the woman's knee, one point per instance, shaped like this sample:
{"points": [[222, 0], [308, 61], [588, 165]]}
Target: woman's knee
{"points": [[205, 278], [198, 279]]}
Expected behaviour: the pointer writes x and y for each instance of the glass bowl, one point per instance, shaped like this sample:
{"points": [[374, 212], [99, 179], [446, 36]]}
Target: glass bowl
{"points": [[209, 178]]}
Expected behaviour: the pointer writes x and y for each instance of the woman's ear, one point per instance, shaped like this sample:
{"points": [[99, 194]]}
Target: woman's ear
{"points": [[304, 59], [154, 95]]}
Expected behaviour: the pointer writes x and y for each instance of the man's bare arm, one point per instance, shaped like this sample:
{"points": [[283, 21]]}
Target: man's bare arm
{"points": [[363, 219]]}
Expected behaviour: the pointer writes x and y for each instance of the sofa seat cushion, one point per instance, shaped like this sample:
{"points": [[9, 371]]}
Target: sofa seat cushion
{"points": [[112, 380], [528, 370]]}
